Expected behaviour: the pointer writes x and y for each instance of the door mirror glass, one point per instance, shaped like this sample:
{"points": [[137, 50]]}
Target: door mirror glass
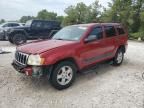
{"points": [[90, 38]]}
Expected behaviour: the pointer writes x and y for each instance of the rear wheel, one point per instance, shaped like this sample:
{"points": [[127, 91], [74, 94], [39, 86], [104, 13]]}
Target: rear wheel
{"points": [[63, 75], [5, 38], [19, 39], [10, 40], [118, 59], [2, 37]]}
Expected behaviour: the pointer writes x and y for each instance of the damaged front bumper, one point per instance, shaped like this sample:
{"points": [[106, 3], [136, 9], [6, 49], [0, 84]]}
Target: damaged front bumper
{"points": [[35, 71]]}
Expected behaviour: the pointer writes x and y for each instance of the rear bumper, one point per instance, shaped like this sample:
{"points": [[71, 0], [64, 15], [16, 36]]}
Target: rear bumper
{"points": [[35, 71]]}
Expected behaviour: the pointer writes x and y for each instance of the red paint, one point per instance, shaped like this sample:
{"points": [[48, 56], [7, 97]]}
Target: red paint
{"points": [[57, 50], [28, 71]]}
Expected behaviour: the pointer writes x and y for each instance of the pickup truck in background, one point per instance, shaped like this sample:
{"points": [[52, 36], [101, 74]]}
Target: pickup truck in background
{"points": [[33, 29]]}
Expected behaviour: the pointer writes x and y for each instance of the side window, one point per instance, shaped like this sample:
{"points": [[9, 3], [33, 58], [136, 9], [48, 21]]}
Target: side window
{"points": [[120, 30], [14, 24], [37, 25], [6, 25], [110, 31], [97, 32], [9, 25], [46, 25]]}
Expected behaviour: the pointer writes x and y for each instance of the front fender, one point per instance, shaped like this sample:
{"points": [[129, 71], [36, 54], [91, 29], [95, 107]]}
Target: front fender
{"points": [[17, 31], [51, 59]]}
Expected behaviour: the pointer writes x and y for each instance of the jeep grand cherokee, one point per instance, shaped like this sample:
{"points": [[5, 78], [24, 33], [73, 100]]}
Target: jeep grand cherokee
{"points": [[70, 50]]}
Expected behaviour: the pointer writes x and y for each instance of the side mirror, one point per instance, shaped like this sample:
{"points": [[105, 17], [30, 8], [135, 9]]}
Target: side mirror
{"points": [[90, 38]]}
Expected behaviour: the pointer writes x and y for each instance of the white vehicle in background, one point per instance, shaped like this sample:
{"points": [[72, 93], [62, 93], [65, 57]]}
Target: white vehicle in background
{"points": [[10, 24], [5, 26]]}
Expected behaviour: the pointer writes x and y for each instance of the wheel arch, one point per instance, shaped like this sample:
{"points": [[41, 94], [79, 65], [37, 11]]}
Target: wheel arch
{"points": [[122, 47], [18, 32], [71, 59]]}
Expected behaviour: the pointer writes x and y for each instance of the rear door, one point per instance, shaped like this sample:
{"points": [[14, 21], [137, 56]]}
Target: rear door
{"points": [[110, 40], [122, 35]]}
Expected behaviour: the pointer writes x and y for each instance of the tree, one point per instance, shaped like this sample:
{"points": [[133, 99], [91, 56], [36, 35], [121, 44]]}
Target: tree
{"points": [[2, 21], [45, 15], [60, 19], [118, 11], [137, 9], [94, 12], [24, 19], [71, 17], [82, 13]]}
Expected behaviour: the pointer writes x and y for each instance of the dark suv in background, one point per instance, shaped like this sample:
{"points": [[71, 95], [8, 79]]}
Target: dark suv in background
{"points": [[33, 29]]}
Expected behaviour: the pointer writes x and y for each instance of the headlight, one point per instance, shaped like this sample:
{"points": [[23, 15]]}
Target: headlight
{"points": [[35, 60]]}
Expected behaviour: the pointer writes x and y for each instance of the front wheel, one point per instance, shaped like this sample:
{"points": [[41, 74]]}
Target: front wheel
{"points": [[63, 75], [118, 59], [19, 39]]}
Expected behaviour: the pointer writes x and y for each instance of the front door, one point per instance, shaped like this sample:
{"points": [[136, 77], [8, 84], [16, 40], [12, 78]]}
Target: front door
{"points": [[36, 29], [93, 51]]}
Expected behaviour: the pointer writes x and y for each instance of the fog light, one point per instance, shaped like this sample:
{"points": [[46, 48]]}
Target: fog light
{"points": [[37, 71]]}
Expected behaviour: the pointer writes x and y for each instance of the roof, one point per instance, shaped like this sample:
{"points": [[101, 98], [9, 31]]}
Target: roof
{"points": [[92, 24], [44, 20]]}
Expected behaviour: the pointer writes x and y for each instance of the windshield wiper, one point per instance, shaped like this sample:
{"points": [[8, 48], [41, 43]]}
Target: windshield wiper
{"points": [[62, 39], [59, 39]]}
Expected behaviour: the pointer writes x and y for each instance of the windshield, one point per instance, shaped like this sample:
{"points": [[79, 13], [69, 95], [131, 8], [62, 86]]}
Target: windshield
{"points": [[28, 23], [72, 33]]}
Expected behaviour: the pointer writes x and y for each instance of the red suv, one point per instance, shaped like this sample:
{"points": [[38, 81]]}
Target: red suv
{"points": [[71, 50]]}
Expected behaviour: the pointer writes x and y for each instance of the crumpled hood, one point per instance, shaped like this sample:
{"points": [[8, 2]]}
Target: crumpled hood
{"points": [[42, 46]]}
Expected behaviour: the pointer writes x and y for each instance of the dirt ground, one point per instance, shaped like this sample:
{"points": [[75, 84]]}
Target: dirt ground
{"points": [[105, 87]]}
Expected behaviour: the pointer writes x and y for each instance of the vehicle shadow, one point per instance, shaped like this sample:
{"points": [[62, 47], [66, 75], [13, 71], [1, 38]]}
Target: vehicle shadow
{"points": [[81, 78]]}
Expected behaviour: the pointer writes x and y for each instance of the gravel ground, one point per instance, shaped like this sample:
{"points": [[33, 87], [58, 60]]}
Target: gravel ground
{"points": [[105, 87]]}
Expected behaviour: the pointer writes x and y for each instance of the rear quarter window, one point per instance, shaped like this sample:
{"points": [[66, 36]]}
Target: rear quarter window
{"points": [[120, 30], [110, 31]]}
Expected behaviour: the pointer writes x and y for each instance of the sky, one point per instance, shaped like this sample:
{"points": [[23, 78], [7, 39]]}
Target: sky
{"points": [[15, 9]]}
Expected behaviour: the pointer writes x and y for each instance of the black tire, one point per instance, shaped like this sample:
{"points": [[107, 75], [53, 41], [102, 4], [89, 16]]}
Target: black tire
{"points": [[2, 37], [57, 71], [10, 40], [6, 38], [19, 39], [120, 54]]}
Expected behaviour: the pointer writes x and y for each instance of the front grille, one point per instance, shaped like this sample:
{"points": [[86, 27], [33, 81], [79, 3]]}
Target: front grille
{"points": [[21, 57]]}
